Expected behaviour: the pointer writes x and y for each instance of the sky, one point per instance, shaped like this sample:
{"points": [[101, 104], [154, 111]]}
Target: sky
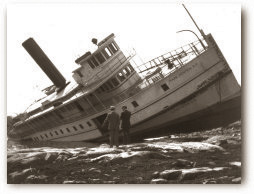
{"points": [[64, 32]]}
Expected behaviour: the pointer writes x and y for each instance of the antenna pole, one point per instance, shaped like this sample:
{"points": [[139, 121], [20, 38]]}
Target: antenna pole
{"points": [[201, 31]]}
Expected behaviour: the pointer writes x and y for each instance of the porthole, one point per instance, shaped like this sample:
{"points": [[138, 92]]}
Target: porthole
{"points": [[81, 126], [164, 87], [135, 104], [67, 129], [89, 124], [75, 128]]}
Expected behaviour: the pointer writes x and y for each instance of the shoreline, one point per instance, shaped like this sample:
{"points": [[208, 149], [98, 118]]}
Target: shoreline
{"points": [[203, 157]]}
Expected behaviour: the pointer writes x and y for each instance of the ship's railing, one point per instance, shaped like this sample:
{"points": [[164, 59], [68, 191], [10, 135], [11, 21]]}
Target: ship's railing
{"points": [[162, 66]]}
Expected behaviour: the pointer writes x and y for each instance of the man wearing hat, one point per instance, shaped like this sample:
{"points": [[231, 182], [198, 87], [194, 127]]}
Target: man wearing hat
{"points": [[113, 121], [125, 117]]}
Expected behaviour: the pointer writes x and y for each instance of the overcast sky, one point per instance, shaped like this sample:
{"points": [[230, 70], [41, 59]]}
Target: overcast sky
{"points": [[64, 32]]}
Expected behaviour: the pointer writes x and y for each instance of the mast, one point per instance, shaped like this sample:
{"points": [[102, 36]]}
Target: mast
{"points": [[200, 30]]}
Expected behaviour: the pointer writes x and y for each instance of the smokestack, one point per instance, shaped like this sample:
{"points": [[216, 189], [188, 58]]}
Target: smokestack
{"points": [[44, 62]]}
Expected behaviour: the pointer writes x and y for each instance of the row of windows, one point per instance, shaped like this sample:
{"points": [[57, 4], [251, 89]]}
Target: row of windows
{"points": [[60, 131], [115, 81], [102, 56], [71, 106]]}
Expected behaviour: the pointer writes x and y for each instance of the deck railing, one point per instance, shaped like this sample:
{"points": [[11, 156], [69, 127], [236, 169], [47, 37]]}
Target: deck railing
{"points": [[160, 67]]}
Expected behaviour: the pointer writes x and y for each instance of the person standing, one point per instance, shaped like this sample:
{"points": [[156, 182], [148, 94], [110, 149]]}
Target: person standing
{"points": [[126, 124], [113, 122]]}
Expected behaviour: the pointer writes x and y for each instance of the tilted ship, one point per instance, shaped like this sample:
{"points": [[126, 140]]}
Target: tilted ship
{"points": [[184, 88]]}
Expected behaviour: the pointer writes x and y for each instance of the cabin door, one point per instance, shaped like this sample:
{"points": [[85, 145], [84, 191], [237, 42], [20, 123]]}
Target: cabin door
{"points": [[99, 121]]}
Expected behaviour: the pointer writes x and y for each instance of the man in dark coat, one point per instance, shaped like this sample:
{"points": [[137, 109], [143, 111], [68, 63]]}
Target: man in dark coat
{"points": [[113, 122], [126, 125]]}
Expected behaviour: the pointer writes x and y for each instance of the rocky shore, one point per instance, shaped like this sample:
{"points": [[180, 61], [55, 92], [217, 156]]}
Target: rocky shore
{"points": [[205, 157]]}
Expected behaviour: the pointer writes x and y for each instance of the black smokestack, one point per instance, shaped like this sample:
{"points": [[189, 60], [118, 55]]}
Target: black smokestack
{"points": [[43, 61]]}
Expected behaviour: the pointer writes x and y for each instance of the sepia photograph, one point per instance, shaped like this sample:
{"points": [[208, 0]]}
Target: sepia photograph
{"points": [[123, 93]]}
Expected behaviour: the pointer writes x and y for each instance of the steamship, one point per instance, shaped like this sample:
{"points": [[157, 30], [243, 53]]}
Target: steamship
{"points": [[181, 89]]}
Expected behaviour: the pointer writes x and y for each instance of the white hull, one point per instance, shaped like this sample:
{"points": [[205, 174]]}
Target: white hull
{"points": [[205, 81]]}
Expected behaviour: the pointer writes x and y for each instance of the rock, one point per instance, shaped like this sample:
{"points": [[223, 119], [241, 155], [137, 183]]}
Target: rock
{"points": [[94, 170], [108, 182], [74, 182], [94, 181], [212, 163], [116, 178], [209, 182], [158, 181], [156, 174], [222, 142], [183, 163], [73, 158], [139, 178], [37, 179], [236, 164], [170, 174], [19, 176], [236, 180], [51, 157], [191, 174]]}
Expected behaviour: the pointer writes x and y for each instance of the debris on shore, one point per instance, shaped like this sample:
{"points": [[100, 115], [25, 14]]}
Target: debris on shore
{"points": [[204, 157]]}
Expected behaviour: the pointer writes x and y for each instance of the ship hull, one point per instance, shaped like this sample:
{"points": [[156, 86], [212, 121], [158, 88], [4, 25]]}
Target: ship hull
{"points": [[197, 94], [190, 115]]}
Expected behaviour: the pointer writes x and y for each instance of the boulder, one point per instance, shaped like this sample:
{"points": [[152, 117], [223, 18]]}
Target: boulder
{"points": [[159, 181], [237, 180], [36, 179], [171, 174]]}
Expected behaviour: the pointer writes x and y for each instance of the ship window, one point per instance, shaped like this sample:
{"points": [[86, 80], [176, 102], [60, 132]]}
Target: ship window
{"points": [[115, 81], [51, 134], [130, 68], [79, 106], [46, 135], [105, 87], [102, 89], [56, 132], [112, 47], [91, 64], [106, 53], [81, 126], [165, 87], [67, 129], [41, 137], [120, 76], [61, 131], [89, 124], [75, 128], [95, 62], [110, 85], [135, 104], [79, 73], [100, 57], [126, 71]]}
